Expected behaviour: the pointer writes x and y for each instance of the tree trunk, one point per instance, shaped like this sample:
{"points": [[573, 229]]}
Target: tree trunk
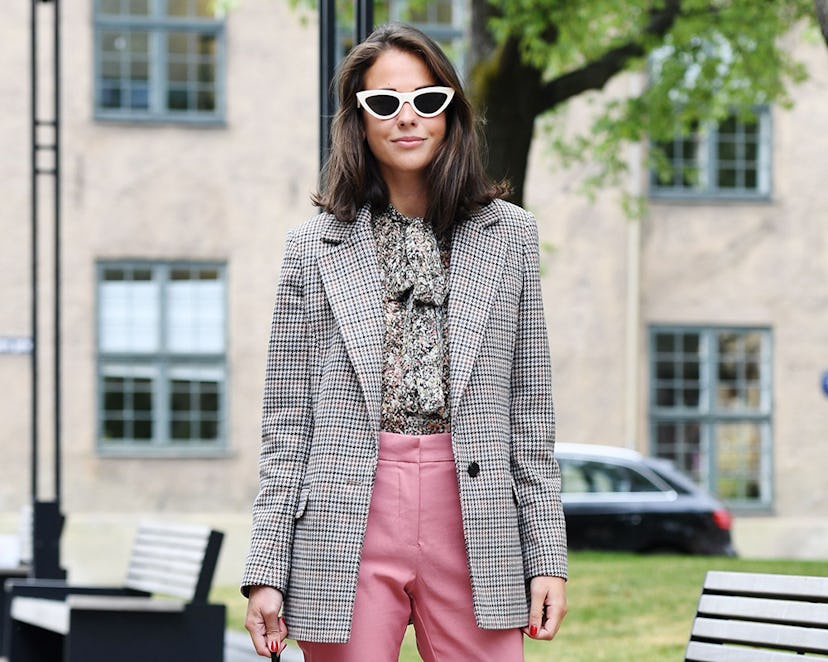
{"points": [[505, 93], [822, 17]]}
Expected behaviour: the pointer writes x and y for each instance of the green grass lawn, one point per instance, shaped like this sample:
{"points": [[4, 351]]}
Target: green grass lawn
{"points": [[622, 607]]}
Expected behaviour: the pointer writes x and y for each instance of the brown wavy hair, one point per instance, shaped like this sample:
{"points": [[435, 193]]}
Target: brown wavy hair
{"points": [[457, 181]]}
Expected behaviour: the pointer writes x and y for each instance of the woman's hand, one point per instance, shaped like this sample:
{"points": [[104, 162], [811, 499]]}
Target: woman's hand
{"points": [[266, 628], [548, 599]]}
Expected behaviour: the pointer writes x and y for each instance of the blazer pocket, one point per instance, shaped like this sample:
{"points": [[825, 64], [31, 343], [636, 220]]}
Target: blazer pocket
{"points": [[514, 491], [303, 502]]}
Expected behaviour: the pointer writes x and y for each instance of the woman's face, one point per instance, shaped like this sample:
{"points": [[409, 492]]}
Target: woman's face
{"points": [[403, 145]]}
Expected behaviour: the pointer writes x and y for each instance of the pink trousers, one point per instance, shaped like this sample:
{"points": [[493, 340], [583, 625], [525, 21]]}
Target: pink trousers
{"points": [[414, 567]]}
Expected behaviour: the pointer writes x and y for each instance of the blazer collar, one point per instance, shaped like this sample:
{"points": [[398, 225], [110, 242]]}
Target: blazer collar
{"points": [[477, 257], [350, 276]]}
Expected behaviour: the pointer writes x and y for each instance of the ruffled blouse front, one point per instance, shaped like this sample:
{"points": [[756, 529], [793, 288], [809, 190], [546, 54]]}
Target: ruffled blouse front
{"points": [[414, 270]]}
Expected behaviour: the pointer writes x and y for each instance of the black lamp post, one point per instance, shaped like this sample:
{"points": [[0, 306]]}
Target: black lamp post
{"points": [[328, 60], [47, 520]]}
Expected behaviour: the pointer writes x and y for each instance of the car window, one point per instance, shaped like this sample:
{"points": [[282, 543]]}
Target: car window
{"points": [[599, 477], [672, 481]]}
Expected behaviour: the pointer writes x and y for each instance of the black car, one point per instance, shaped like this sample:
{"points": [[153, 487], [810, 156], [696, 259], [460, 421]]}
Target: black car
{"points": [[618, 499]]}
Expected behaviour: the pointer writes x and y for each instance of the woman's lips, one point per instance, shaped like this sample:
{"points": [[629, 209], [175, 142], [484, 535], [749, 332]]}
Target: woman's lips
{"points": [[408, 141]]}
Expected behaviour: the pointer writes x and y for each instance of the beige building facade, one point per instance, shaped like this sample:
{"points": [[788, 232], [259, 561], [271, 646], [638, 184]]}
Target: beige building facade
{"points": [[165, 216]]}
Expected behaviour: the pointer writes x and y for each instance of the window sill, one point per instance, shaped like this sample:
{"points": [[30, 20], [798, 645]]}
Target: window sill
{"points": [[184, 121], [709, 198], [162, 453]]}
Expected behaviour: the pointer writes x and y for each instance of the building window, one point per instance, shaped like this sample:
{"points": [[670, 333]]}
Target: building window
{"points": [[711, 408], [728, 160], [161, 357], [442, 20], [158, 60]]}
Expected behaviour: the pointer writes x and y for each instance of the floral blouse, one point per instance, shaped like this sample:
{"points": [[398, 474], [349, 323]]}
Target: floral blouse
{"points": [[414, 268]]}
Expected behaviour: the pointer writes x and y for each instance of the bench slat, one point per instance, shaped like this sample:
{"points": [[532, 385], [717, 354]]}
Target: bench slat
{"points": [[123, 603], [164, 586], [762, 634], [140, 550], [173, 528], [699, 651], [168, 558], [765, 609], [48, 614], [751, 583], [160, 566]]}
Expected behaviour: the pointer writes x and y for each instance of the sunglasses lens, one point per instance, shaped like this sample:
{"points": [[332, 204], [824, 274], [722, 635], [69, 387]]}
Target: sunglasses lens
{"points": [[429, 102], [383, 104]]}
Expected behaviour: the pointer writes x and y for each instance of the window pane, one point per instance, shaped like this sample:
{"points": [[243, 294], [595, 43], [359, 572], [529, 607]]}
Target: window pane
{"points": [[127, 405], [195, 315], [677, 376], [191, 8], [109, 7], [444, 13], [194, 405], [138, 7], [191, 71], [680, 442], [738, 461], [129, 316], [206, 72], [205, 101], [178, 7], [177, 72], [124, 70], [736, 154], [177, 99], [204, 8], [739, 370]]}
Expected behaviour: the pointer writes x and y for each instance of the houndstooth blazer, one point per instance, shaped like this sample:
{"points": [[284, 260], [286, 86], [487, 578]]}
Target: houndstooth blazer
{"points": [[322, 412]]}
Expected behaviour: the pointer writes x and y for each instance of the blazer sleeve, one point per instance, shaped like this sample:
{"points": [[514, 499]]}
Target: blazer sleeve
{"points": [[536, 474], [287, 423]]}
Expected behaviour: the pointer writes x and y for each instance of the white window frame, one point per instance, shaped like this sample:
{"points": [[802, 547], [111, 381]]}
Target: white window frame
{"points": [[161, 366], [707, 415], [708, 166], [157, 25]]}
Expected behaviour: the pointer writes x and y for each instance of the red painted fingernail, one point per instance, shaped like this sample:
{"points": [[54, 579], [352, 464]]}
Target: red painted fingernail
{"points": [[533, 630], [274, 646]]}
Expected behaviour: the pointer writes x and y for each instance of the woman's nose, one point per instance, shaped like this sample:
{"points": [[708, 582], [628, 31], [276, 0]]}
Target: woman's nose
{"points": [[407, 113]]}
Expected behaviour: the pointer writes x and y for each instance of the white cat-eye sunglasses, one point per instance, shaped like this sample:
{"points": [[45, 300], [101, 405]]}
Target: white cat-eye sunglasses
{"points": [[385, 104]]}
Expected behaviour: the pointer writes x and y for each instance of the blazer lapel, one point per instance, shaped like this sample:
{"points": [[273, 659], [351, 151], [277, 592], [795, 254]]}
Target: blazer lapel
{"points": [[350, 276], [476, 264]]}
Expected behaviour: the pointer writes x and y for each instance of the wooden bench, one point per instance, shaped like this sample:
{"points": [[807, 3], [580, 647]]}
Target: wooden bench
{"points": [[752, 617], [160, 613]]}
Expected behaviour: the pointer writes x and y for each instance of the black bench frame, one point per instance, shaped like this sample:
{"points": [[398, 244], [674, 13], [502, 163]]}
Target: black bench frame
{"points": [[53, 620]]}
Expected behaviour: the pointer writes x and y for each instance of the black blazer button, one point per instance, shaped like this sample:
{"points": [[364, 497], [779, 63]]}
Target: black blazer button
{"points": [[473, 469]]}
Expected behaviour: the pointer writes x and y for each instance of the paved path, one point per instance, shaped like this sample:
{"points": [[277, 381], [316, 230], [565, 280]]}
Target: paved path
{"points": [[237, 648]]}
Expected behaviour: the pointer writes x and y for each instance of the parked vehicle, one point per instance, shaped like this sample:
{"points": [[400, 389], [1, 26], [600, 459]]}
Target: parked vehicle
{"points": [[618, 499]]}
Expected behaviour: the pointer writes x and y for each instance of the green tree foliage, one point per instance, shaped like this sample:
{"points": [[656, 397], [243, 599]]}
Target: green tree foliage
{"points": [[704, 59]]}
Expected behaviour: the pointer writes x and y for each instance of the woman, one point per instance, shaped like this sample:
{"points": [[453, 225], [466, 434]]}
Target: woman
{"points": [[407, 469]]}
